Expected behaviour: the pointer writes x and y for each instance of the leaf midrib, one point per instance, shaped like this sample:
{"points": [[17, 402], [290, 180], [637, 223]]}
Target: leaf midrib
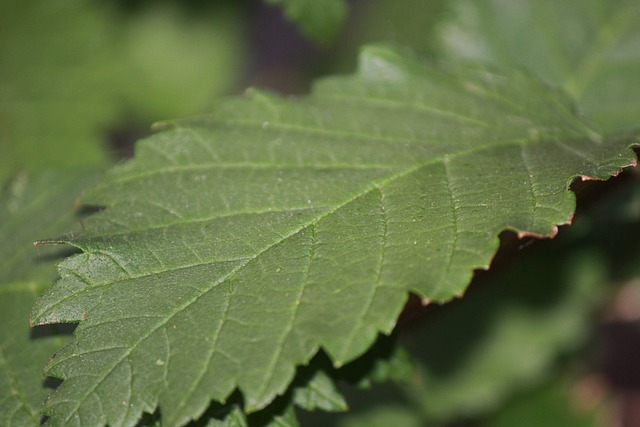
{"points": [[381, 181], [366, 190], [325, 210], [84, 245]]}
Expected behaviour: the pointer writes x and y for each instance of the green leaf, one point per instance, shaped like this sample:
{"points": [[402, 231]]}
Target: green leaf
{"points": [[397, 366], [30, 207], [311, 390], [322, 20], [407, 23], [507, 335], [236, 245], [512, 327], [591, 48], [236, 418], [287, 419], [319, 393]]}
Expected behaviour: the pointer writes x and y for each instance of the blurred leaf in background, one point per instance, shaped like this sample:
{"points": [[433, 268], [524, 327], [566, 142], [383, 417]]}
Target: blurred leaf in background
{"points": [[587, 47], [54, 99], [321, 20], [551, 405], [408, 23], [176, 61], [31, 206], [73, 71]]}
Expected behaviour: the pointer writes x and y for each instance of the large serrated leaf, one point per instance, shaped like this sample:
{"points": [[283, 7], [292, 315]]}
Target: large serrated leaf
{"points": [[31, 206], [589, 47], [235, 246]]}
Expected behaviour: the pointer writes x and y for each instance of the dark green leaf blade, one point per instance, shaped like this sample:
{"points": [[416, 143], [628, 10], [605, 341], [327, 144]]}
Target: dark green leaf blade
{"points": [[236, 245], [30, 207], [590, 48]]}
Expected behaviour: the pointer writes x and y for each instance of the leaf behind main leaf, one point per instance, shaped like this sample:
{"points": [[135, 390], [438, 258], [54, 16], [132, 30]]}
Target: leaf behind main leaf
{"points": [[30, 206], [235, 246], [321, 20], [591, 48]]}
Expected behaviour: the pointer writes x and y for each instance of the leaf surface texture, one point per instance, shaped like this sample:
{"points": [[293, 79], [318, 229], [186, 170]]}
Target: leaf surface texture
{"points": [[238, 244]]}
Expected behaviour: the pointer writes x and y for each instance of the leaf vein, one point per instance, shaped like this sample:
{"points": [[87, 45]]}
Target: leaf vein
{"points": [[209, 358], [456, 227], [377, 281], [532, 187], [294, 312]]}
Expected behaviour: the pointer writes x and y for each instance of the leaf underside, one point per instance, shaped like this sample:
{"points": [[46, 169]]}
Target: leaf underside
{"points": [[236, 245]]}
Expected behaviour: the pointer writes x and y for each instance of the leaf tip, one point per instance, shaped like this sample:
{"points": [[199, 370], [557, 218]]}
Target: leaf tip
{"points": [[36, 320], [65, 239], [47, 242]]}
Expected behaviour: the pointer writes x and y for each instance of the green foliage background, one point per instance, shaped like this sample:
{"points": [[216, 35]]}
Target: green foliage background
{"points": [[519, 345]]}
